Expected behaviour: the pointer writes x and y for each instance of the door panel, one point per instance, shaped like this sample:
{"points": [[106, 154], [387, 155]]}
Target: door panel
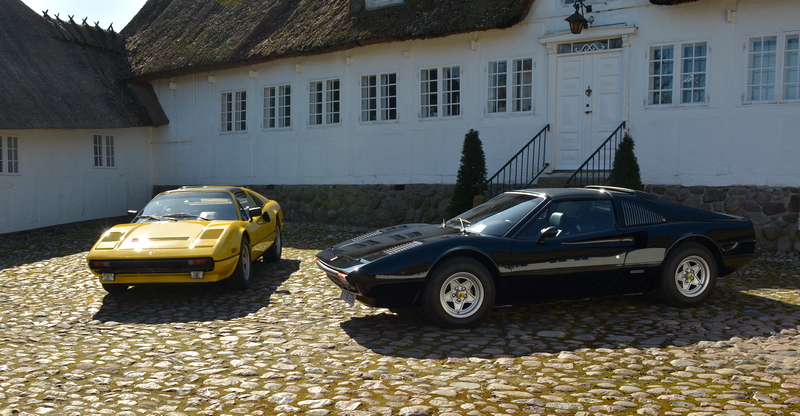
{"points": [[589, 104]]}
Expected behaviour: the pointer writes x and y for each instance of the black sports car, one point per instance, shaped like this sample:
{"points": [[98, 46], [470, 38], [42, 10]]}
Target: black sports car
{"points": [[542, 244]]}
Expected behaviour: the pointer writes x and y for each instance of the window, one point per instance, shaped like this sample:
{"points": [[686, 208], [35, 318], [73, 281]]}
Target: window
{"points": [[104, 151], [521, 86], [773, 68], [573, 218], [234, 111], [324, 102], [277, 107], [662, 87], [379, 102], [9, 154], [440, 96]]}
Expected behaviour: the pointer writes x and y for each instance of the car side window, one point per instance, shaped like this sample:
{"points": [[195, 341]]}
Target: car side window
{"points": [[258, 202], [572, 218]]}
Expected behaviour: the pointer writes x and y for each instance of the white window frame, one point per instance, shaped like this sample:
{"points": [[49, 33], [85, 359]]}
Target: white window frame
{"points": [[104, 153], [9, 155], [377, 4], [277, 107], [510, 75], [378, 97], [440, 94], [325, 102], [233, 111], [681, 75], [780, 66]]}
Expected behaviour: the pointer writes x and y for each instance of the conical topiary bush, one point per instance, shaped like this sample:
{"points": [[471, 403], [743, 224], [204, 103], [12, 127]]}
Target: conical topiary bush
{"points": [[625, 171], [471, 175]]}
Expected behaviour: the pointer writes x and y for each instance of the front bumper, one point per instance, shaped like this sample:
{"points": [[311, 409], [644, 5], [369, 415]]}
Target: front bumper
{"points": [[373, 291], [190, 270]]}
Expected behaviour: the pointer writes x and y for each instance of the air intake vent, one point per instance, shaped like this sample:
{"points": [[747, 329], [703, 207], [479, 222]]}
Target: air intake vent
{"points": [[635, 215]]}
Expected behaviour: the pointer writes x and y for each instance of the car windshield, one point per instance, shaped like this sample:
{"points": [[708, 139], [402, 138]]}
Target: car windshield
{"points": [[177, 206], [496, 216]]}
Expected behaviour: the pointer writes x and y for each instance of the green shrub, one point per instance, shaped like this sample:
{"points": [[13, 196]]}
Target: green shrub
{"points": [[471, 175], [625, 172]]}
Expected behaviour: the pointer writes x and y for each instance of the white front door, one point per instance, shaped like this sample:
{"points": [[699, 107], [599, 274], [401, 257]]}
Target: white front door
{"points": [[589, 108]]}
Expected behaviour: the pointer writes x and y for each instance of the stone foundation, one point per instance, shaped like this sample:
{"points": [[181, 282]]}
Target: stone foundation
{"points": [[368, 205], [773, 210]]}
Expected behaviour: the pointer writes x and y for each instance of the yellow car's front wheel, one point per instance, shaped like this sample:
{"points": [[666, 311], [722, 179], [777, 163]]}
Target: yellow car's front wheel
{"points": [[240, 279]]}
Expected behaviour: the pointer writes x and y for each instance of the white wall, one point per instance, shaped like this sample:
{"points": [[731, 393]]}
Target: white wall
{"points": [[725, 142], [57, 182]]}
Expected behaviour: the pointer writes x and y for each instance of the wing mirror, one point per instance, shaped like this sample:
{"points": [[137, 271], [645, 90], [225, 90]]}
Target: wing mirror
{"points": [[256, 212], [548, 232]]}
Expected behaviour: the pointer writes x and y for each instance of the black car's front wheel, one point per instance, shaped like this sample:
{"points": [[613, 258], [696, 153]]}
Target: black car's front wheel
{"points": [[459, 293], [688, 277], [240, 279]]}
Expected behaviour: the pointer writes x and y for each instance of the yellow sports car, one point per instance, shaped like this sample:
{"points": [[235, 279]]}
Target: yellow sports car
{"points": [[191, 234]]}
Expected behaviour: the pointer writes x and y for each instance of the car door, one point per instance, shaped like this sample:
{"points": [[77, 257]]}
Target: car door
{"points": [[582, 256], [260, 230]]}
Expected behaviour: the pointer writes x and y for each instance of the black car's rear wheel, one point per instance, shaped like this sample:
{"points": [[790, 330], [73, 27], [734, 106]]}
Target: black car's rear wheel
{"points": [[688, 277], [459, 294], [273, 253], [240, 279], [115, 288]]}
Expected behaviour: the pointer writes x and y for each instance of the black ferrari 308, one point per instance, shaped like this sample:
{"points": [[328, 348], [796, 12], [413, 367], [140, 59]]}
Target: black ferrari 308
{"points": [[542, 244]]}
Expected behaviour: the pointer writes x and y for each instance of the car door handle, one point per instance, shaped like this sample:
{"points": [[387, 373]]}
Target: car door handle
{"points": [[588, 111]]}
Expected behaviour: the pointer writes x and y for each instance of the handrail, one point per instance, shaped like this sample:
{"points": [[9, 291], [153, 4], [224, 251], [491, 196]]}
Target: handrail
{"points": [[597, 167], [523, 168]]}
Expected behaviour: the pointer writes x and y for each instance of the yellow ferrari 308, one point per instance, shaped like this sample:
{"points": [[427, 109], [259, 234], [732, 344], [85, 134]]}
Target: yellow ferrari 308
{"points": [[191, 234]]}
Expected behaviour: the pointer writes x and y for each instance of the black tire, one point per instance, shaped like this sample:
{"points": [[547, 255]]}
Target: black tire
{"points": [[688, 276], [459, 294], [115, 288], [273, 253], [240, 278]]}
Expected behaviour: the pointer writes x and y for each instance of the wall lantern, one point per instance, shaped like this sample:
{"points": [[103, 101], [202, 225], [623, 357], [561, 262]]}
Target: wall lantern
{"points": [[577, 22]]}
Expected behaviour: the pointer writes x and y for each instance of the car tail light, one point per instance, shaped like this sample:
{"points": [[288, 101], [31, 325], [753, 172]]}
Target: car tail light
{"points": [[198, 262]]}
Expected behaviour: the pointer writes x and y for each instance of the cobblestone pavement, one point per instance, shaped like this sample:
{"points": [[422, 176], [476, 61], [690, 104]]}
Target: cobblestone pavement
{"points": [[289, 346]]}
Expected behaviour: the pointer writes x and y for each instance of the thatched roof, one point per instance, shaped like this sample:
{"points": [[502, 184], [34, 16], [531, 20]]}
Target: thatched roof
{"points": [[64, 74], [171, 37]]}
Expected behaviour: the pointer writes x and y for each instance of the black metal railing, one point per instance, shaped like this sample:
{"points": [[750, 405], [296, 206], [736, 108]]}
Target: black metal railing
{"points": [[596, 169], [523, 168]]}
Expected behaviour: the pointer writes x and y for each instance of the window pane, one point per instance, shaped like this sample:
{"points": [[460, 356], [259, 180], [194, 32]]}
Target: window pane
{"points": [[429, 93], [693, 73], [523, 79], [791, 68], [497, 87], [762, 57], [661, 72]]}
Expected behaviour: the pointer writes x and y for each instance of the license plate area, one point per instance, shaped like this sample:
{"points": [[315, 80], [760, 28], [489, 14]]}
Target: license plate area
{"points": [[348, 297]]}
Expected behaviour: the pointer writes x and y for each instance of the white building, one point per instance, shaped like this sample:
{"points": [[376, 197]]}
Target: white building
{"points": [[381, 92]]}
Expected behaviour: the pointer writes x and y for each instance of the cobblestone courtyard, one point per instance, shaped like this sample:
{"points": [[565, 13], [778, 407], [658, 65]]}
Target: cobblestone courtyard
{"points": [[289, 346]]}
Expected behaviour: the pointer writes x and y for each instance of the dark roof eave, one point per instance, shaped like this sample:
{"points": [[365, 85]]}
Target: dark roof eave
{"points": [[218, 66]]}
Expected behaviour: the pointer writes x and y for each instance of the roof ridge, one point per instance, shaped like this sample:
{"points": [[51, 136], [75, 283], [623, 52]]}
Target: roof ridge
{"points": [[85, 34]]}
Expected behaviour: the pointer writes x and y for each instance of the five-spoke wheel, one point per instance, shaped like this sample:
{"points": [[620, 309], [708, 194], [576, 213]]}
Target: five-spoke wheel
{"points": [[459, 293], [689, 276]]}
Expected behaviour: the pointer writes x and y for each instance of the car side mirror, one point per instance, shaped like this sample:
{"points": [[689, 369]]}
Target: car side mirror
{"points": [[256, 212], [548, 232], [132, 213]]}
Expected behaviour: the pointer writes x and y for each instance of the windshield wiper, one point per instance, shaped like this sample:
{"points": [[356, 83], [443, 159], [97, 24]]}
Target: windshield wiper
{"points": [[183, 215], [460, 221], [150, 217]]}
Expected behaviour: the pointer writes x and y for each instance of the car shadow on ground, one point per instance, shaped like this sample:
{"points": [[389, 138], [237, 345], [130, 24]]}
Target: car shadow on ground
{"points": [[618, 322], [175, 303], [32, 246]]}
